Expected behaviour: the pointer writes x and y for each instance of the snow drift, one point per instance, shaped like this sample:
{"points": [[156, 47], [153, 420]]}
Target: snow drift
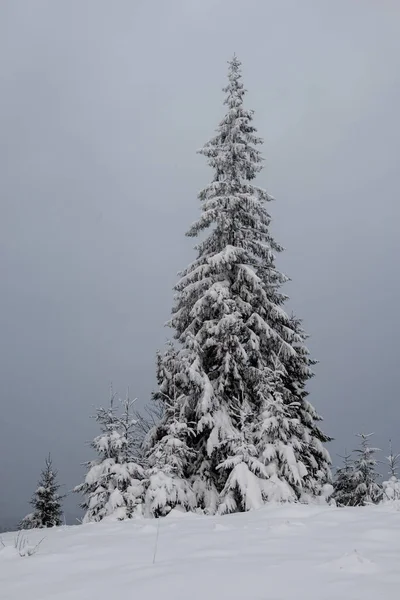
{"points": [[275, 553]]}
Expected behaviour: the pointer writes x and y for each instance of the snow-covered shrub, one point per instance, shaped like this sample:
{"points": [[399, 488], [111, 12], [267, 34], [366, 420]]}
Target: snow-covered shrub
{"points": [[391, 489], [24, 547]]}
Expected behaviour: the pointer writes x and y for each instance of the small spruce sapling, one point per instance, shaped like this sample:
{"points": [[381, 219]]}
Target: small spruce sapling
{"points": [[278, 436], [168, 458], [46, 501], [344, 484], [365, 478], [243, 489], [391, 487], [113, 486]]}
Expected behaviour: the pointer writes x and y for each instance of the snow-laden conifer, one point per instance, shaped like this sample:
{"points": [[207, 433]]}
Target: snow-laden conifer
{"points": [[169, 454], [279, 436], [391, 487], [244, 489], [230, 324], [365, 478], [113, 486], [313, 454], [344, 483], [46, 501]]}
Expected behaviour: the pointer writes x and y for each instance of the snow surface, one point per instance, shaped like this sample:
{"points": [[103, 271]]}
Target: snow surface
{"points": [[275, 553]]}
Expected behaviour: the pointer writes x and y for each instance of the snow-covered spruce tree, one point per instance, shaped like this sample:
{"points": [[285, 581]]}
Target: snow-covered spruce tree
{"points": [[46, 501], [243, 489], [391, 487], [344, 484], [169, 455], [314, 455], [230, 326], [279, 435], [365, 477], [113, 486]]}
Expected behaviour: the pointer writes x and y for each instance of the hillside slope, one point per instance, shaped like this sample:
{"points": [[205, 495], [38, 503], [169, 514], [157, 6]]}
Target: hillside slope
{"points": [[277, 553]]}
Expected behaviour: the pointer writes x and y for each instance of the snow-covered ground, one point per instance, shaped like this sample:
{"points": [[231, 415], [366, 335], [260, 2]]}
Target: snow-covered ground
{"points": [[276, 553]]}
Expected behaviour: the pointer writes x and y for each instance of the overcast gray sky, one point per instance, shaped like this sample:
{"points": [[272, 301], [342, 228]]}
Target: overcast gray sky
{"points": [[102, 107]]}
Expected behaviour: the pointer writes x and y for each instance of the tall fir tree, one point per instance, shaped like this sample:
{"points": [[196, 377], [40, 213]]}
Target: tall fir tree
{"points": [[46, 501], [113, 486], [242, 360]]}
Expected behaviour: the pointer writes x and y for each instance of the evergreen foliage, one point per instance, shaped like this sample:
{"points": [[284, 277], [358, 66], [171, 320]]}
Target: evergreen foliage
{"points": [[391, 487], [280, 437], [344, 484], [246, 432], [169, 453], [314, 455], [46, 501], [364, 476], [113, 486]]}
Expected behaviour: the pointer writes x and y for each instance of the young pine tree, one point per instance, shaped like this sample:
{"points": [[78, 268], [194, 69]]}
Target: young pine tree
{"points": [[168, 446], [46, 501], [344, 483], [279, 435], [364, 476], [113, 486], [391, 487], [243, 489], [230, 326]]}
